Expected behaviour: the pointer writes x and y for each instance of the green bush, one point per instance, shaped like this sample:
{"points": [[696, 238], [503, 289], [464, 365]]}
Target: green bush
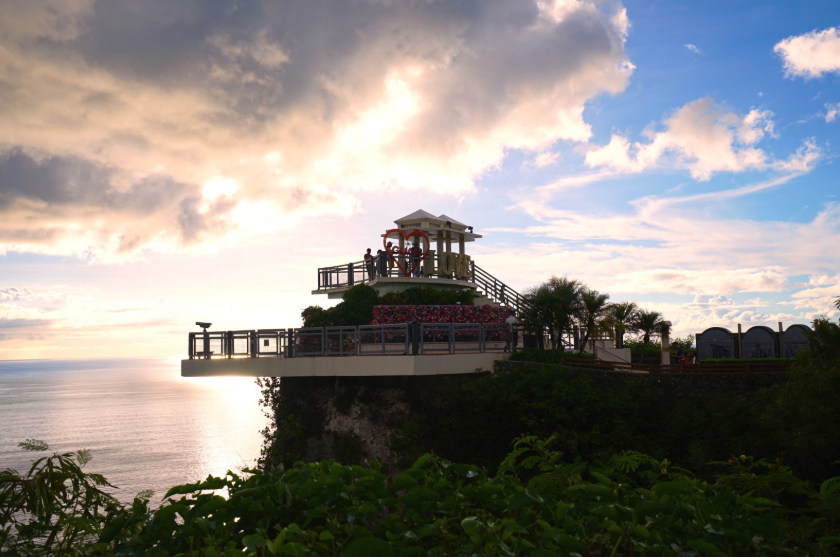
{"points": [[547, 356], [591, 419], [637, 347], [356, 307], [747, 361], [804, 413], [428, 296], [537, 505]]}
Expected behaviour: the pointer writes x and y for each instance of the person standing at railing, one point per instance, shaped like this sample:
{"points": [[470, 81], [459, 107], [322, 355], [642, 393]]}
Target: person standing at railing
{"points": [[416, 255], [389, 250], [381, 263], [369, 264], [502, 296]]}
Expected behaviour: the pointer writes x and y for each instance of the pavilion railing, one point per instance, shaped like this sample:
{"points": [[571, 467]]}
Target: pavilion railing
{"points": [[359, 272]]}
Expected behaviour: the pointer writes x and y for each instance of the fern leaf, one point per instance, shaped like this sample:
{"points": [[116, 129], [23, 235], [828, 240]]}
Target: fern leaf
{"points": [[34, 445]]}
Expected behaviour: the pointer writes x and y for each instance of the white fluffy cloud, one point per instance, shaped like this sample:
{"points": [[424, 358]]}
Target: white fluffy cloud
{"points": [[831, 112], [112, 143], [705, 138], [812, 54]]}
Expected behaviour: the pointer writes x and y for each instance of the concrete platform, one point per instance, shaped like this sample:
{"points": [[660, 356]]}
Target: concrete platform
{"points": [[342, 366]]}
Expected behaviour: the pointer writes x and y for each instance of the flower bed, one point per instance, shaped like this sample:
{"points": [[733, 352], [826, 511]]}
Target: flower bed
{"points": [[389, 315]]}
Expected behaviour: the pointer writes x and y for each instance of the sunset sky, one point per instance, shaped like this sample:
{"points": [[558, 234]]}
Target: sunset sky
{"points": [[168, 161]]}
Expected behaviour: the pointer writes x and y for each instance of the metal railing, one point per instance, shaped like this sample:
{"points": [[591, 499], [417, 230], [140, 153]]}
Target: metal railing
{"points": [[358, 272], [364, 340]]}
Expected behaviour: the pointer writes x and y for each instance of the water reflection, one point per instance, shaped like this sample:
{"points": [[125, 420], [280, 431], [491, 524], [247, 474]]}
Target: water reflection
{"points": [[147, 427]]}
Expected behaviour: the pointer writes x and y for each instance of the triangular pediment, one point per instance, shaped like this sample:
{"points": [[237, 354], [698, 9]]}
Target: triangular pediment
{"points": [[416, 215]]}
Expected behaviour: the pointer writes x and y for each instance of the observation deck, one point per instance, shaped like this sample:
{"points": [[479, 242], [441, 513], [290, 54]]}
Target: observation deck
{"points": [[394, 268], [369, 350]]}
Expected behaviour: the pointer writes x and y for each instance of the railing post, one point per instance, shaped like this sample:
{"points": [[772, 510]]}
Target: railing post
{"points": [[481, 338], [191, 347], [290, 343], [472, 270], [451, 338], [254, 338], [415, 338], [350, 277], [206, 345], [323, 341], [358, 342]]}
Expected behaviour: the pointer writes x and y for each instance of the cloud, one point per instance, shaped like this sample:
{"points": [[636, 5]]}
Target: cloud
{"points": [[704, 138], [831, 112], [546, 158], [812, 54], [693, 49], [118, 122]]}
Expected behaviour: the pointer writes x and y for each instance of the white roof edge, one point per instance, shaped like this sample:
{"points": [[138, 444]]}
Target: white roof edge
{"points": [[450, 219], [419, 214]]}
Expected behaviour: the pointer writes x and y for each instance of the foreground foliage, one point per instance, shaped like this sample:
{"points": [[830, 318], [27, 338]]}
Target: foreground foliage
{"points": [[536, 505]]}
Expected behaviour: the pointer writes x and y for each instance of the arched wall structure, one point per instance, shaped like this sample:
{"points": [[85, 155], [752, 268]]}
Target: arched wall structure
{"points": [[716, 342], [793, 339], [760, 342]]}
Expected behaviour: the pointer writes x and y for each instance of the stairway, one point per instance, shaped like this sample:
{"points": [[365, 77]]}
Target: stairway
{"points": [[482, 299]]}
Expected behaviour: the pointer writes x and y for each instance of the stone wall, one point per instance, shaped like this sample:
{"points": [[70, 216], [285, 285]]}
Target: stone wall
{"points": [[680, 385], [357, 418]]}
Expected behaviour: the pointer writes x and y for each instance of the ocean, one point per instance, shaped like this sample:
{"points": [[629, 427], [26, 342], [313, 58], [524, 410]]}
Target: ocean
{"points": [[145, 425]]}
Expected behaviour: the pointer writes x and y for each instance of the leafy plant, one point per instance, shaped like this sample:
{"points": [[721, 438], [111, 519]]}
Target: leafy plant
{"points": [[55, 508], [592, 312], [804, 412], [648, 324], [553, 305], [547, 356]]}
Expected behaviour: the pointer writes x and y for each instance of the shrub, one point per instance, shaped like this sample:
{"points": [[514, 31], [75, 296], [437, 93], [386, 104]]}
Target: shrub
{"points": [[537, 505], [804, 413], [356, 307], [747, 361], [548, 356], [638, 347]]}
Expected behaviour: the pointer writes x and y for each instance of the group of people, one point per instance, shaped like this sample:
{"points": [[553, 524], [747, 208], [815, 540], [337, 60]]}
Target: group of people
{"points": [[380, 265], [684, 359]]}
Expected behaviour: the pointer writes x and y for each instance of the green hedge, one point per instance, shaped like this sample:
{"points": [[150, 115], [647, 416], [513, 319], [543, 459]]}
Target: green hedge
{"points": [[547, 356], [747, 360]]}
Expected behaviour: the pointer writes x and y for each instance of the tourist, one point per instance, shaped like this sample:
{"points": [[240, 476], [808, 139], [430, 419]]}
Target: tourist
{"points": [[416, 256], [502, 296], [369, 264], [514, 337], [686, 362], [679, 355], [381, 264], [389, 250]]}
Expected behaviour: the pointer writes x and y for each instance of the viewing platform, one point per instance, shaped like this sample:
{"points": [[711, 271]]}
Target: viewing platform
{"points": [[424, 250], [370, 350]]}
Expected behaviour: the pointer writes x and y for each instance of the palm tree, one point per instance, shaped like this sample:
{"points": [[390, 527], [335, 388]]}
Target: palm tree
{"points": [[837, 302], [621, 318], [593, 312], [648, 323], [553, 305]]}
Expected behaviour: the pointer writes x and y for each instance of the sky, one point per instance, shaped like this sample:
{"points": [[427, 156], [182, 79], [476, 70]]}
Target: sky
{"points": [[164, 162]]}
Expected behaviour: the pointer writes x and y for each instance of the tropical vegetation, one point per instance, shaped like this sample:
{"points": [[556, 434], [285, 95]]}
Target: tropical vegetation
{"points": [[566, 307]]}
